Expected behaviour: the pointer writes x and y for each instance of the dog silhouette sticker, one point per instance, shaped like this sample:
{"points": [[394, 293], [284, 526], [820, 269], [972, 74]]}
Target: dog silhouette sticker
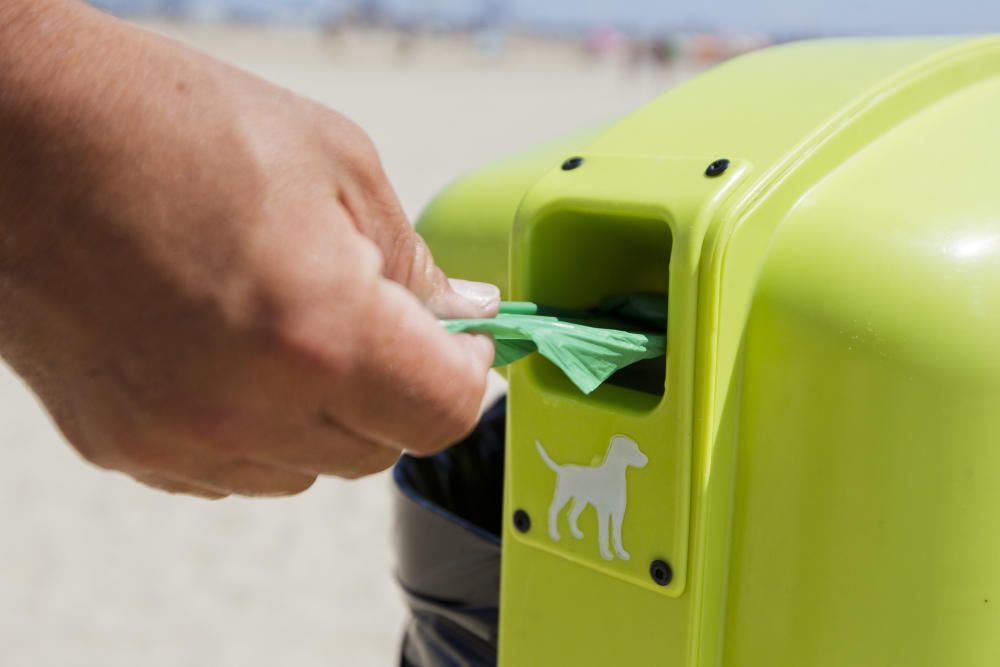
{"points": [[603, 486]]}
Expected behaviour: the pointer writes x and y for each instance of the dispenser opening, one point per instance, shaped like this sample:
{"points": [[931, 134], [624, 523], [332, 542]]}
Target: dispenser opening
{"points": [[582, 260]]}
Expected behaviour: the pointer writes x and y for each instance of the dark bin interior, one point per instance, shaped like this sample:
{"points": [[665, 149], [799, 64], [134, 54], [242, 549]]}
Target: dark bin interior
{"points": [[577, 259], [447, 536]]}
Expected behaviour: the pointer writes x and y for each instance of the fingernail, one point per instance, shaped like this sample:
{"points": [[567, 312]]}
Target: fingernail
{"points": [[485, 295]]}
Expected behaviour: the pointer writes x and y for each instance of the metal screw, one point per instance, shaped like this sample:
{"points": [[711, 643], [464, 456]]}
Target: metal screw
{"points": [[522, 522], [717, 167], [572, 163], [661, 573]]}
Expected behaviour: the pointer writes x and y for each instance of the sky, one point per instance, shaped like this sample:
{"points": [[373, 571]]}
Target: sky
{"points": [[772, 16]]}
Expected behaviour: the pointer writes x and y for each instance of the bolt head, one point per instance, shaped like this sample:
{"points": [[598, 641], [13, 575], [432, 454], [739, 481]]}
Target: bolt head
{"points": [[661, 572], [572, 163], [717, 167], [522, 521]]}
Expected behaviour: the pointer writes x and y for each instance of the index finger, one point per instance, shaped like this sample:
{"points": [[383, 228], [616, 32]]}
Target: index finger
{"points": [[414, 386]]}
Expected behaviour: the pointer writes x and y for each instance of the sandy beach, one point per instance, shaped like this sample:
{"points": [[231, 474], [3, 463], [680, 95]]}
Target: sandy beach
{"points": [[97, 570]]}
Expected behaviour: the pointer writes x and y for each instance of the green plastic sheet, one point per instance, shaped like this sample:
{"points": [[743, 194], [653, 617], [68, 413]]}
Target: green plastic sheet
{"points": [[588, 346]]}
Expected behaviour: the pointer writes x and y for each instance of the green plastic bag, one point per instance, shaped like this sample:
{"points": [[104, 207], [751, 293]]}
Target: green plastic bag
{"points": [[587, 346]]}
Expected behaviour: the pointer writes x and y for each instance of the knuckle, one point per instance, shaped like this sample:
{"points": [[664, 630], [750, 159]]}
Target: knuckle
{"points": [[97, 444], [202, 495], [307, 334], [464, 413], [98, 457], [208, 426], [303, 338], [355, 147], [364, 155], [177, 488], [375, 461], [370, 260], [462, 420], [452, 426], [319, 324], [140, 455], [252, 479], [410, 263], [126, 453], [294, 487], [154, 482]]}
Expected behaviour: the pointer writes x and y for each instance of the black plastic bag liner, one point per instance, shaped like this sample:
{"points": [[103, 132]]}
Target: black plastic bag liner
{"points": [[448, 513]]}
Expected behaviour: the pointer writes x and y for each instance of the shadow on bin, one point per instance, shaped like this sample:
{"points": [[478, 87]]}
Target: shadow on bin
{"points": [[448, 513]]}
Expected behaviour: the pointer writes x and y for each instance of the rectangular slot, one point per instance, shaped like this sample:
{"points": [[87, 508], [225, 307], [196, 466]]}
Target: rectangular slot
{"points": [[647, 376], [576, 259]]}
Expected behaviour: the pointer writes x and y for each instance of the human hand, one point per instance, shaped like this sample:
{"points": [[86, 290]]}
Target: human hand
{"points": [[207, 280]]}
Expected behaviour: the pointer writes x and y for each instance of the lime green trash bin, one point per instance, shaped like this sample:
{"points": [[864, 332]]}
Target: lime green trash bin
{"points": [[811, 477]]}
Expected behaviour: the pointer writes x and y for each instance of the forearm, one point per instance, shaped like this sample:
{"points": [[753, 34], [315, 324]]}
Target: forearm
{"points": [[79, 92], [59, 92], [56, 56], [91, 111], [37, 40], [74, 83]]}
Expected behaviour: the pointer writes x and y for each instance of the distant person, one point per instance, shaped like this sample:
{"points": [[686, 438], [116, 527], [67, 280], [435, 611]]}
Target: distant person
{"points": [[207, 280]]}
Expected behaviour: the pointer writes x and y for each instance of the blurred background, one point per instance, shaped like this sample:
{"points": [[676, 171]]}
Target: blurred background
{"points": [[96, 570]]}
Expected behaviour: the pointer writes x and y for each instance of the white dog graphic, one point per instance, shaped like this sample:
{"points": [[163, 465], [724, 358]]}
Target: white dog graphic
{"points": [[602, 486]]}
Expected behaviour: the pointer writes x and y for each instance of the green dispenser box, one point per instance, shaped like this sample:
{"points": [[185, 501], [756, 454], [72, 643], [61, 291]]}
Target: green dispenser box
{"points": [[811, 476]]}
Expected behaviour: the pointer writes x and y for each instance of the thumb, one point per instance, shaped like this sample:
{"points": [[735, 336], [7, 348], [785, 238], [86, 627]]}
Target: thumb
{"points": [[408, 261], [412, 265]]}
